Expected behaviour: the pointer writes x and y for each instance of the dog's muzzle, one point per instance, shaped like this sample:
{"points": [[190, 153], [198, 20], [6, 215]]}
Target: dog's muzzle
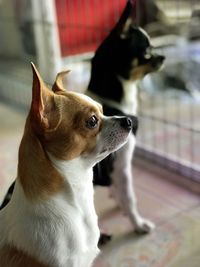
{"points": [[157, 61], [125, 122]]}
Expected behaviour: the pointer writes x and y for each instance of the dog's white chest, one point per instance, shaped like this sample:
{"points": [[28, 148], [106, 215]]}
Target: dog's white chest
{"points": [[129, 100], [80, 234], [77, 239], [63, 231]]}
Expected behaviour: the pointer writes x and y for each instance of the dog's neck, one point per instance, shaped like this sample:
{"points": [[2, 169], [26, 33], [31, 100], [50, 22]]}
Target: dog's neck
{"points": [[77, 172], [38, 178], [128, 100], [57, 213]]}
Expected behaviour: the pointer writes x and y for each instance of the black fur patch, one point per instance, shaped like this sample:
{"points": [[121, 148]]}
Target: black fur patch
{"points": [[8, 196], [115, 56]]}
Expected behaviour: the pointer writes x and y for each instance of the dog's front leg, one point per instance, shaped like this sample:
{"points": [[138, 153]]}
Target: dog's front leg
{"points": [[122, 188]]}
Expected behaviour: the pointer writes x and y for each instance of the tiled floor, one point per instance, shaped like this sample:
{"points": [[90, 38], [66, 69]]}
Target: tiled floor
{"points": [[175, 210]]}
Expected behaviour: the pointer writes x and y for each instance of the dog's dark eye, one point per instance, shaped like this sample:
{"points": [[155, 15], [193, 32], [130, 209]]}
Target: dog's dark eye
{"points": [[92, 122]]}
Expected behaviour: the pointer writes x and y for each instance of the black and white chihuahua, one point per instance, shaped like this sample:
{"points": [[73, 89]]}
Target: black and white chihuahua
{"points": [[123, 59]]}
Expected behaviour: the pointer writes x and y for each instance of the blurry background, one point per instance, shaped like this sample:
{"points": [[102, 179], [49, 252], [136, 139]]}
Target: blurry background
{"points": [[63, 34]]}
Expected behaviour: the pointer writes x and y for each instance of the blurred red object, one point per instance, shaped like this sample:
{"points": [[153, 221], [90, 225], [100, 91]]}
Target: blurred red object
{"points": [[83, 24]]}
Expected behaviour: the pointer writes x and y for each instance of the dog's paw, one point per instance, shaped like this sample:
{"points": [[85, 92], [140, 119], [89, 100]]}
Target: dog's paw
{"points": [[144, 226]]}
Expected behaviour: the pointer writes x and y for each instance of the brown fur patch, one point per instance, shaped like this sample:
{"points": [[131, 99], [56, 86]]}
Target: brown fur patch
{"points": [[72, 138], [38, 177], [12, 257], [139, 72]]}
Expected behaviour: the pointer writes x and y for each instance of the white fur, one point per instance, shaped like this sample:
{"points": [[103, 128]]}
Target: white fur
{"points": [[123, 188], [122, 175], [146, 34], [129, 101], [61, 231]]}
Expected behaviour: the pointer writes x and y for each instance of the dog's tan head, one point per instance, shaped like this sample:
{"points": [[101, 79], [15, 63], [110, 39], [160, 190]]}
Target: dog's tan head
{"points": [[66, 123], [72, 125], [66, 127]]}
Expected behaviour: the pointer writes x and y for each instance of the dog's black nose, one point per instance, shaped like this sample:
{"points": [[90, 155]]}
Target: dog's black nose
{"points": [[157, 61], [161, 58], [126, 123]]}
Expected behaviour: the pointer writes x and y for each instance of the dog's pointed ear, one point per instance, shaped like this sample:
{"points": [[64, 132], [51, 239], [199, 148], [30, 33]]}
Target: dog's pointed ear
{"points": [[42, 100], [58, 84], [127, 18]]}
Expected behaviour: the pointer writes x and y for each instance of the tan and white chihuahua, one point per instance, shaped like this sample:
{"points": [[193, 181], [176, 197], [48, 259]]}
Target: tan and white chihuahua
{"points": [[50, 220]]}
